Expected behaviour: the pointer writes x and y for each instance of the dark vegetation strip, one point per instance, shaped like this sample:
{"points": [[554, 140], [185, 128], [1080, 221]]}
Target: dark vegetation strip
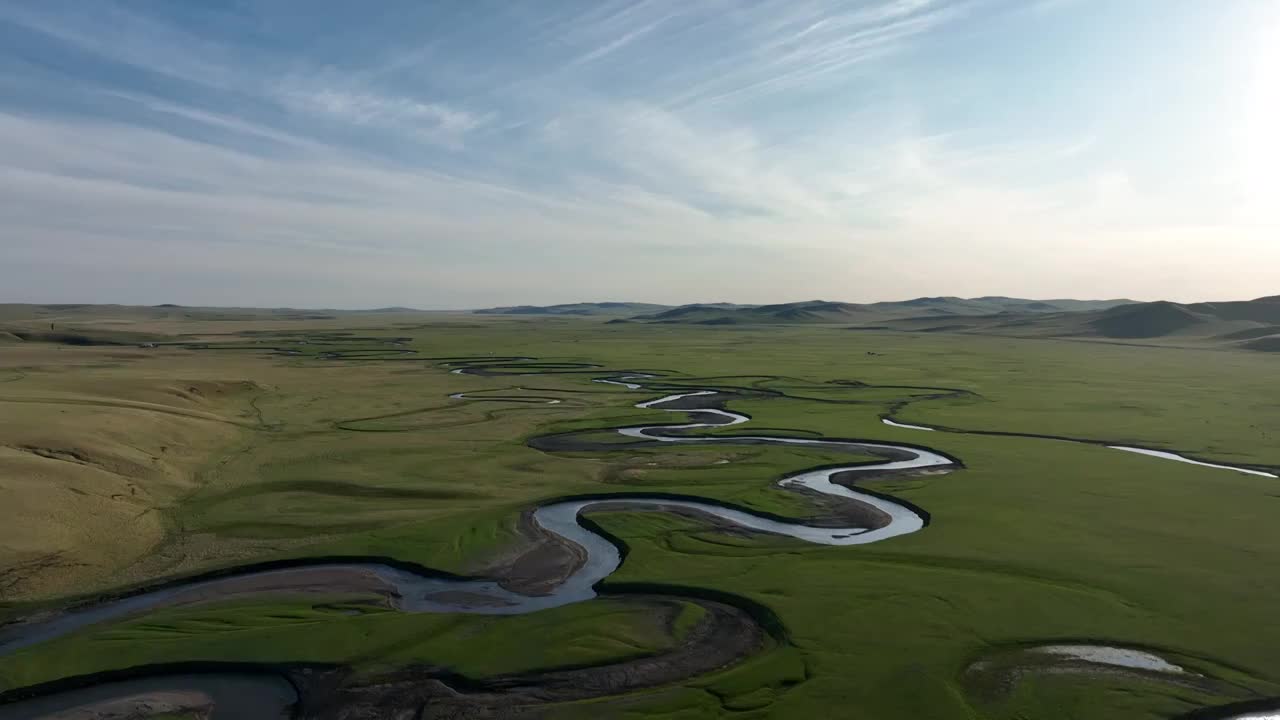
{"points": [[1233, 710], [284, 671], [176, 582]]}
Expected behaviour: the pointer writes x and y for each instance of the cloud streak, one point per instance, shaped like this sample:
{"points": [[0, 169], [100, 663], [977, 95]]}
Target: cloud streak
{"points": [[427, 120], [654, 150]]}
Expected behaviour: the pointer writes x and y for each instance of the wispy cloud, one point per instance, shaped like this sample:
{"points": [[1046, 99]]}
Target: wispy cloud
{"points": [[429, 120], [783, 46], [655, 149], [618, 27]]}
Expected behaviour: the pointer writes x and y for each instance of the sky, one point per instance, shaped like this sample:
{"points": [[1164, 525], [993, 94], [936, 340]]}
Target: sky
{"points": [[467, 153]]}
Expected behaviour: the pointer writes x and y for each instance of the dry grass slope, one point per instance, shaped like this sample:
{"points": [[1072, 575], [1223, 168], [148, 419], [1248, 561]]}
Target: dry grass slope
{"points": [[89, 454]]}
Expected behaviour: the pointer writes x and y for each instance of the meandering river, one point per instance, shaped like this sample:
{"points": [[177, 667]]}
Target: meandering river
{"points": [[232, 695], [412, 592]]}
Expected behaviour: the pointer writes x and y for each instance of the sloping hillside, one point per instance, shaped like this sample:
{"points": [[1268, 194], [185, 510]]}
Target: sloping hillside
{"points": [[1224, 321], [76, 336], [1146, 320], [1270, 343], [1263, 310], [1069, 305]]}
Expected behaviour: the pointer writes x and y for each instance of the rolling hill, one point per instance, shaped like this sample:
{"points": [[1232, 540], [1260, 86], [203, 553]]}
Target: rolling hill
{"points": [[930, 309], [84, 312], [1252, 324], [1249, 325], [813, 311], [1255, 322], [585, 308]]}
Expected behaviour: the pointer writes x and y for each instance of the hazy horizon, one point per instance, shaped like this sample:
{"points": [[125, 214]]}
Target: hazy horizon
{"points": [[441, 156], [357, 308]]}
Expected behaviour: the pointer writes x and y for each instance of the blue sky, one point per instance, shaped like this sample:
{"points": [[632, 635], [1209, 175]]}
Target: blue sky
{"points": [[473, 152]]}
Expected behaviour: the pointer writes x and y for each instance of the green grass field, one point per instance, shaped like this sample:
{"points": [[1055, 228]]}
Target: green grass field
{"points": [[366, 637], [1033, 541]]}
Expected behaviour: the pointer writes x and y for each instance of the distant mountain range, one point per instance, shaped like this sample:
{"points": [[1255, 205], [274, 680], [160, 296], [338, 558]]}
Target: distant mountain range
{"points": [[586, 308], [1253, 324], [824, 311], [1250, 325], [807, 311], [83, 312]]}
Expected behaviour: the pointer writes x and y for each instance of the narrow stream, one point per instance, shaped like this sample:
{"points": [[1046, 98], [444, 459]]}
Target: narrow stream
{"points": [[1162, 454], [905, 426]]}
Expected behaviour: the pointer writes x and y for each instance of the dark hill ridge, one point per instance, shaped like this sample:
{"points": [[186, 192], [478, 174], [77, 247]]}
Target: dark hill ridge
{"points": [[812, 311], [807, 311], [1153, 317], [685, 311], [1263, 310], [1252, 324], [994, 304], [588, 308], [826, 311], [1146, 320]]}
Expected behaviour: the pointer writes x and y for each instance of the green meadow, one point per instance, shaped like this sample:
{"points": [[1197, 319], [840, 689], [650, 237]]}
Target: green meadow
{"points": [[364, 454]]}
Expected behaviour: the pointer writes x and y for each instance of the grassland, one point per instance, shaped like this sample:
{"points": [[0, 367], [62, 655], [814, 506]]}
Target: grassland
{"points": [[363, 636], [123, 465]]}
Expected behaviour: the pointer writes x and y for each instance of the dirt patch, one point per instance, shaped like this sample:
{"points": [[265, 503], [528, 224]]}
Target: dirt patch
{"points": [[15, 576], [538, 564], [834, 512]]}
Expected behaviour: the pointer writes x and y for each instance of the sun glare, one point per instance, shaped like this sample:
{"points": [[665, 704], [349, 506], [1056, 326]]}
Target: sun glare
{"points": [[1260, 137]]}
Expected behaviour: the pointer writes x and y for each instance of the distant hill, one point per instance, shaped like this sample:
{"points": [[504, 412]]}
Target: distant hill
{"points": [[928, 309], [1223, 321], [586, 308], [1252, 324], [1248, 325], [87, 313], [813, 311], [1252, 320], [991, 305], [1146, 320]]}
